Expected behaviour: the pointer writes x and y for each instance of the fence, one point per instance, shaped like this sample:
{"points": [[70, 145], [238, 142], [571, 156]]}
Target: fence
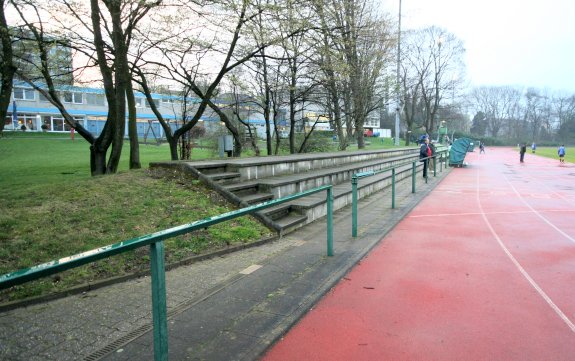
{"points": [[441, 155], [155, 241]]}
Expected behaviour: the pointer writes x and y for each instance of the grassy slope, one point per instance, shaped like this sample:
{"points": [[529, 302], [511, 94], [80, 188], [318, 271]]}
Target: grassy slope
{"points": [[50, 207]]}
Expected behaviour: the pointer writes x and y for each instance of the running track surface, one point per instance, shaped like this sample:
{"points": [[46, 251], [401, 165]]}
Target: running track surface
{"points": [[482, 269]]}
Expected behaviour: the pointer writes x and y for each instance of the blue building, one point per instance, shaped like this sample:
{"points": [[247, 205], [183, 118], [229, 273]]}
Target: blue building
{"points": [[31, 109]]}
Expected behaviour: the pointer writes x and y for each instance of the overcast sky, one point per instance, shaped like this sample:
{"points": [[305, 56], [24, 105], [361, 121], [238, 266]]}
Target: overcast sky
{"points": [[509, 42]]}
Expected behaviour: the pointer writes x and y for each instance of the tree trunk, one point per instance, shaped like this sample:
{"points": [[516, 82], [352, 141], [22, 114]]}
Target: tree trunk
{"points": [[97, 161], [7, 67], [173, 142], [133, 129], [292, 110]]}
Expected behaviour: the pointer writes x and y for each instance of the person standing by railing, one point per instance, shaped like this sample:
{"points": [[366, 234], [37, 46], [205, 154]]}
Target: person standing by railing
{"points": [[424, 154]]}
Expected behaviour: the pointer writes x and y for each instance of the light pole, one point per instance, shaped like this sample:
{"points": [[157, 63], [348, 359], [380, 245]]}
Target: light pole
{"points": [[437, 71], [398, 106]]}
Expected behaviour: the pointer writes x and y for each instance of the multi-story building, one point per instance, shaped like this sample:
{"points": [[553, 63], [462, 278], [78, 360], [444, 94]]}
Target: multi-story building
{"points": [[27, 57], [89, 106]]}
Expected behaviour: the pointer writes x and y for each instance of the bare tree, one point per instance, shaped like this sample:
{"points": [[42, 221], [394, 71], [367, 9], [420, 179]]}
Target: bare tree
{"points": [[564, 113], [538, 114], [265, 80], [362, 41], [327, 59], [499, 104], [433, 58], [103, 36], [7, 66], [296, 51], [206, 42], [39, 41]]}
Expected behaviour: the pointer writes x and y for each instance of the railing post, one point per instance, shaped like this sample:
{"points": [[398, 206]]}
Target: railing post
{"points": [[392, 188], [413, 177], [441, 162], [354, 205], [434, 165], [159, 312], [330, 222]]}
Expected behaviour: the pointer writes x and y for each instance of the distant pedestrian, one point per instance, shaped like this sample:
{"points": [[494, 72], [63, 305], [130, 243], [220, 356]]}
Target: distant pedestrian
{"points": [[424, 154], [481, 148], [533, 147], [522, 151], [561, 153]]}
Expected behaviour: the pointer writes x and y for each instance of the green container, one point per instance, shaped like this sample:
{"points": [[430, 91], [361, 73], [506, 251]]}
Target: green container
{"points": [[458, 150]]}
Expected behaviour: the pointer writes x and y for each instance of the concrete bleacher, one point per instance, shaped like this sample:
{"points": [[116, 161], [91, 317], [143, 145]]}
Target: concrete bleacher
{"points": [[254, 180]]}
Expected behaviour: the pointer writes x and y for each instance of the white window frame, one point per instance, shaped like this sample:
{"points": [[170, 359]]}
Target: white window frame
{"points": [[74, 97], [25, 92], [95, 96]]}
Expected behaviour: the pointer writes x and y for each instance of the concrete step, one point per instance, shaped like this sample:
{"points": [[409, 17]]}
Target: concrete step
{"points": [[273, 166], [224, 177], [256, 198], [291, 222], [283, 185], [315, 206], [267, 178], [277, 212], [211, 168], [242, 188]]}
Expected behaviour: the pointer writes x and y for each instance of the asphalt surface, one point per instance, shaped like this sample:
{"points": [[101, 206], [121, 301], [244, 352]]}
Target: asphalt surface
{"points": [[231, 307]]}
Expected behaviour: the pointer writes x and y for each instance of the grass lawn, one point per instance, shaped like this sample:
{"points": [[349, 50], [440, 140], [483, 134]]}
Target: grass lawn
{"points": [[551, 152], [50, 207]]}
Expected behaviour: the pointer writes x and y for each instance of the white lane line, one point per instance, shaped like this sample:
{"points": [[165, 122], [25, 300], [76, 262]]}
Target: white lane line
{"points": [[521, 269], [490, 213], [539, 214], [541, 180]]}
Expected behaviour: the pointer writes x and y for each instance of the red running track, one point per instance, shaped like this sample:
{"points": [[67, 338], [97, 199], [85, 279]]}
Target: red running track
{"points": [[482, 269]]}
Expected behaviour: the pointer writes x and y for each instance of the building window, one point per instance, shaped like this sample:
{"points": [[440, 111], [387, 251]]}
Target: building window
{"points": [[57, 124], [42, 97], [23, 94], [156, 102], [72, 97], [95, 99]]}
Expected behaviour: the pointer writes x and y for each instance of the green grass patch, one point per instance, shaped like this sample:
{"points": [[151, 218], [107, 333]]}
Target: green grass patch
{"points": [[51, 207], [551, 152]]}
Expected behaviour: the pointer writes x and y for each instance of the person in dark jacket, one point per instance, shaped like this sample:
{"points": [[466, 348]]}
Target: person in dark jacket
{"points": [[522, 151], [424, 153]]}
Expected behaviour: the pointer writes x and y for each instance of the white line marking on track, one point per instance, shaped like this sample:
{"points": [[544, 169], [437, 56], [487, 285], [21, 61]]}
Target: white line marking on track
{"points": [[539, 214], [480, 213], [521, 269]]}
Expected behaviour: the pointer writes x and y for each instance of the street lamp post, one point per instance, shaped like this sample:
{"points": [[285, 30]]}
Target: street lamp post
{"points": [[398, 106]]}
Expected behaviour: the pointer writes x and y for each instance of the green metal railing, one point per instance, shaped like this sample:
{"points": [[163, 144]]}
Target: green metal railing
{"points": [[355, 178], [158, 270]]}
